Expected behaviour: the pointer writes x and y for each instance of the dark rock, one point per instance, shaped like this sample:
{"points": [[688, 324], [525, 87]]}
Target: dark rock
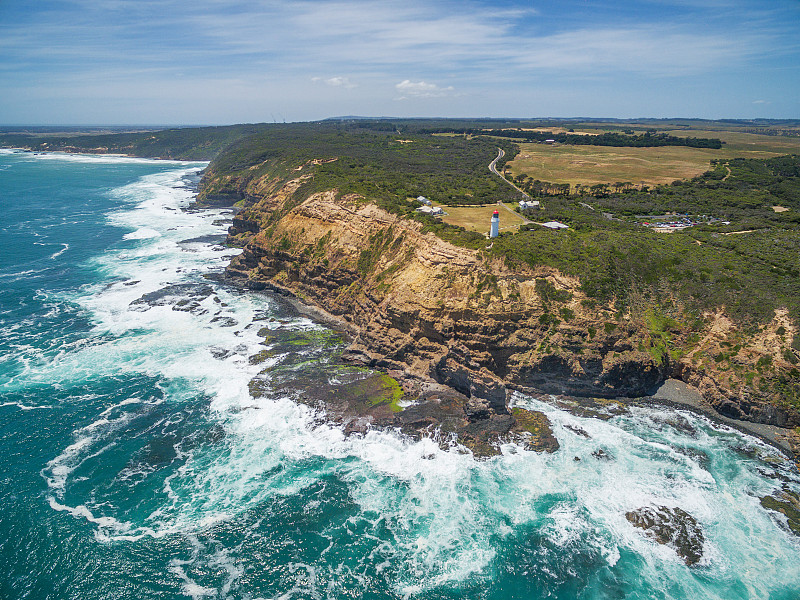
{"points": [[577, 430], [189, 306], [673, 527], [459, 371], [225, 321], [601, 454], [220, 353], [178, 295], [788, 504], [698, 456], [212, 239], [536, 428]]}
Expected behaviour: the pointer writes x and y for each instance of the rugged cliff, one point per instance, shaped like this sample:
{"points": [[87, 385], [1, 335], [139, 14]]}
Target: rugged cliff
{"points": [[472, 322]]}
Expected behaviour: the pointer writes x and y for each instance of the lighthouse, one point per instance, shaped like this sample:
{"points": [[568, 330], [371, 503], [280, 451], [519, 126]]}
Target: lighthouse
{"points": [[495, 224]]}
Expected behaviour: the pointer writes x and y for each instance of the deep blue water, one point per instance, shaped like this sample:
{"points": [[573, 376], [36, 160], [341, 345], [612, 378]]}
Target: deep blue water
{"points": [[134, 462]]}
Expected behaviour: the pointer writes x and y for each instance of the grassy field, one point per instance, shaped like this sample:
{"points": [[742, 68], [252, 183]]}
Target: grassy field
{"points": [[746, 145], [477, 218], [589, 165]]}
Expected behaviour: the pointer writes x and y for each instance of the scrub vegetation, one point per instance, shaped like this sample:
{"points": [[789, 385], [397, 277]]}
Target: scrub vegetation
{"points": [[616, 258]]}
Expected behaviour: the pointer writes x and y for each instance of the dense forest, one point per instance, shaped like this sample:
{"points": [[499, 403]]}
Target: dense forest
{"points": [[701, 267], [380, 165], [743, 191], [647, 139]]}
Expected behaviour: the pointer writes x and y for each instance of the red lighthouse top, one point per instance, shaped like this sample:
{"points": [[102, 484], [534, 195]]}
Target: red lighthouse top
{"points": [[496, 213]]}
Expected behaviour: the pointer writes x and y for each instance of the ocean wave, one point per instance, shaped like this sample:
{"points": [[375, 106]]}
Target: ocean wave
{"points": [[22, 406], [109, 159]]}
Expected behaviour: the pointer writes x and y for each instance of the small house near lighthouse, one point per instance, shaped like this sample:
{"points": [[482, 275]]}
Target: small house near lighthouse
{"points": [[495, 224]]}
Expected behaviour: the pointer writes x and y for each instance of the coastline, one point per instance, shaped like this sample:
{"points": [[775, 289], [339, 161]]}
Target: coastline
{"points": [[671, 393], [676, 393]]}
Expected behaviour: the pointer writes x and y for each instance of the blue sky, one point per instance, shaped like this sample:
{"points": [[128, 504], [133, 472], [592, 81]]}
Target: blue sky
{"points": [[223, 61]]}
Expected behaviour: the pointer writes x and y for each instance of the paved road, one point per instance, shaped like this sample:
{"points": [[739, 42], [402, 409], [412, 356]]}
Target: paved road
{"points": [[516, 214], [493, 168]]}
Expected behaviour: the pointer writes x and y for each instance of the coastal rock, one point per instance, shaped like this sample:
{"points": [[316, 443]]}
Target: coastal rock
{"points": [[743, 404], [673, 527], [786, 503], [184, 297], [457, 370], [536, 430]]}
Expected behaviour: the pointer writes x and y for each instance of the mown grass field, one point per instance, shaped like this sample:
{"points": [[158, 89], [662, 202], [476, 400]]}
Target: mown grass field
{"points": [[477, 218], [589, 165]]}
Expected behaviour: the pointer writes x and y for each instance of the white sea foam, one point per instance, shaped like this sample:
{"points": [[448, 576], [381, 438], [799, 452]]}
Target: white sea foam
{"points": [[22, 406], [142, 234], [97, 158]]}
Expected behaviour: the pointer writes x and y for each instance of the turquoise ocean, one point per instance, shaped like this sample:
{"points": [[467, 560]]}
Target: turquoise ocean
{"points": [[134, 462]]}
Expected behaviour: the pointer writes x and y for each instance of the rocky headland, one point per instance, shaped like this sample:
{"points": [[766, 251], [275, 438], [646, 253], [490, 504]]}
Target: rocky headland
{"points": [[442, 317]]}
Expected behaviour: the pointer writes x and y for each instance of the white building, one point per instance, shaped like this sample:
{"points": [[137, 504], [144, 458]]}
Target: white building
{"points": [[430, 210], [424, 200], [525, 204], [495, 231], [555, 225]]}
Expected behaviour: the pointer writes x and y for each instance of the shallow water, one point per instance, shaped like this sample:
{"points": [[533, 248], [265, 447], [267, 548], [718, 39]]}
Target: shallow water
{"points": [[135, 463]]}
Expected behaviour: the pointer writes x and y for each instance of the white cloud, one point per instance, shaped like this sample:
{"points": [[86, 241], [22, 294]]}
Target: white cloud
{"points": [[760, 102], [342, 82], [421, 89]]}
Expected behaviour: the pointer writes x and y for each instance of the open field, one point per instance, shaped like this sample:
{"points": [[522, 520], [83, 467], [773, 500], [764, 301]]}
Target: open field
{"points": [[746, 145], [589, 165], [563, 130], [477, 218]]}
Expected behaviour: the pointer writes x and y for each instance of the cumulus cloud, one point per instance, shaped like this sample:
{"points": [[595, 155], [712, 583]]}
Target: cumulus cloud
{"points": [[421, 89], [342, 82]]}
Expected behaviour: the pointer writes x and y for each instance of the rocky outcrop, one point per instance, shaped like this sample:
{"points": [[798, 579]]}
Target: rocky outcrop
{"points": [[673, 527], [787, 503], [746, 375]]}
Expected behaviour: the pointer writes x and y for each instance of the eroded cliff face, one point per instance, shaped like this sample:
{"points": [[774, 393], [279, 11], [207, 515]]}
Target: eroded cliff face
{"points": [[745, 374], [461, 318], [421, 304]]}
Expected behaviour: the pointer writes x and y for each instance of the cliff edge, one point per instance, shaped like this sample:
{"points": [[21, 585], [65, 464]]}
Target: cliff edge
{"points": [[470, 321]]}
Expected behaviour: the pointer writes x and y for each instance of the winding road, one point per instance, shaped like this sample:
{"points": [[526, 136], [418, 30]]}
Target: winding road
{"points": [[493, 168]]}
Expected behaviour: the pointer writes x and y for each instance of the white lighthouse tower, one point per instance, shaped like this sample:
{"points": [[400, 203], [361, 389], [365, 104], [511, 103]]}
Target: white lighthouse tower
{"points": [[495, 224]]}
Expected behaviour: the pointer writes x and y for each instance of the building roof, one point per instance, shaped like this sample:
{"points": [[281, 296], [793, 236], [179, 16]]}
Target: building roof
{"points": [[555, 225], [430, 210]]}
